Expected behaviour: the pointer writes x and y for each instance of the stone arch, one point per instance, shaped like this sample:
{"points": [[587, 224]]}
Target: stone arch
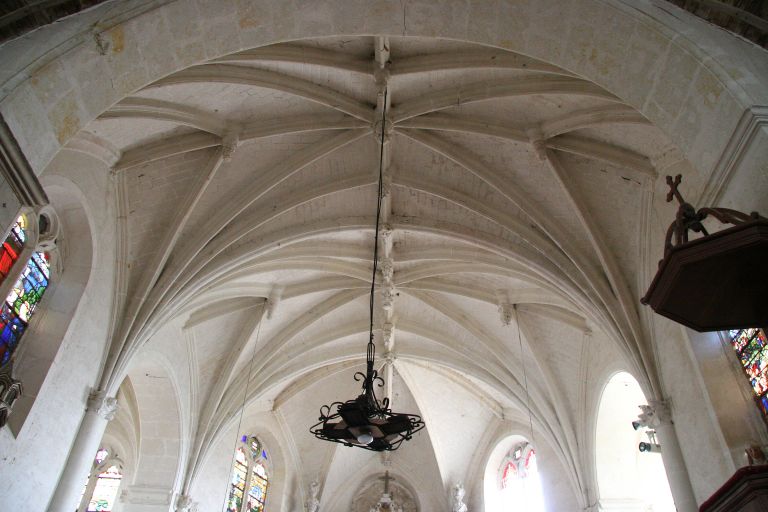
{"points": [[159, 457], [71, 266], [210, 483], [122, 433], [698, 90], [625, 477]]}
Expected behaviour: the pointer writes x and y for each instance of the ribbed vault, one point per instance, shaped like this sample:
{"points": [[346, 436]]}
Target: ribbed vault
{"points": [[512, 193]]}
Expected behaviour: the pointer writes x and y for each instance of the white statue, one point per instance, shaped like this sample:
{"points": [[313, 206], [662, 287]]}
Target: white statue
{"points": [[313, 503], [458, 498]]}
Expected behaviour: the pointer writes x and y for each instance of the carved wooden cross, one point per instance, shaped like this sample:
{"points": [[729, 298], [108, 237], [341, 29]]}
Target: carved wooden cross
{"points": [[673, 192]]}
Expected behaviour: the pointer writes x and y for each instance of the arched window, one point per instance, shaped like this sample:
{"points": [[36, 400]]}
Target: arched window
{"points": [[751, 347], [24, 296], [102, 485], [248, 486], [626, 478], [24, 275], [519, 484]]}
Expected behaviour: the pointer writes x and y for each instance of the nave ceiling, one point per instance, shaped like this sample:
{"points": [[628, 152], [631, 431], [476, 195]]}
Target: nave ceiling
{"points": [[248, 189]]}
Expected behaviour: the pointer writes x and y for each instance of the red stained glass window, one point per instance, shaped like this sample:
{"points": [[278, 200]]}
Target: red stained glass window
{"points": [[11, 248]]}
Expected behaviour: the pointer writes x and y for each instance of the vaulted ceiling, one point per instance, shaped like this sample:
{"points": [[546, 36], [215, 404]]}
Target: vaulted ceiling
{"points": [[513, 193]]}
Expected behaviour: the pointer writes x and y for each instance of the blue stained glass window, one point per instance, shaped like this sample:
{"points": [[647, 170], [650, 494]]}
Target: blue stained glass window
{"points": [[25, 296], [751, 346]]}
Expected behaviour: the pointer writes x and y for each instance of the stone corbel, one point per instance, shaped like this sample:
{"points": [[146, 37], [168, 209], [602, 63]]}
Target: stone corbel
{"points": [[275, 294], [507, 312], [229, 143], [661, 411], [101, 404], [506, 308], [184, 503], [536, 138]]}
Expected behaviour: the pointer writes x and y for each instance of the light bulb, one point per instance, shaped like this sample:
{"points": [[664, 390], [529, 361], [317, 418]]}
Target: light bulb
{"points": [[365, 437]]}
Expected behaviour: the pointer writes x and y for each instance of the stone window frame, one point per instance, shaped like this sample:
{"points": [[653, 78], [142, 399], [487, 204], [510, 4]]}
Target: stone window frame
{"points": [[112, 459], [36, 241], [252, 460], [745, 387]]}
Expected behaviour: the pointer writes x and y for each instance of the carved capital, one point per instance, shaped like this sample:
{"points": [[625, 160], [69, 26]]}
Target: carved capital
{"points": [[184, 503], [228, 145], [103, 405], [661, 411]]}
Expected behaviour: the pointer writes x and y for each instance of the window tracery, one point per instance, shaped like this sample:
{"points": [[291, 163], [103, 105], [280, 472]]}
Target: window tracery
{"points": [[249, 473], [103, 483], [751, 347], [519, 484]]}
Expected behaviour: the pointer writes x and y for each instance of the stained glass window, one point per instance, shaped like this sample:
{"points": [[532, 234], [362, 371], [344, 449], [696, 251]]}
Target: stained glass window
{"points": [[26, 293], [105, 493], [12, 247], [519, 480], [102, 484], [248, 467], [258, 489], [752, 348]]}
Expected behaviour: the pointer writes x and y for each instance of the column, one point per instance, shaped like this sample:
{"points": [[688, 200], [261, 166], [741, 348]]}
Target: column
{"points": [[100, 410], [672, 455]]}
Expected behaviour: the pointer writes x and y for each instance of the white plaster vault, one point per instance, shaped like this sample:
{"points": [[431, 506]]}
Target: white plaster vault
{"points": [[223, 153]]}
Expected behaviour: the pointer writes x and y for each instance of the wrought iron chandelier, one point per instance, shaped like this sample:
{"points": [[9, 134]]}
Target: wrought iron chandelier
{"points": [[366, 422]]}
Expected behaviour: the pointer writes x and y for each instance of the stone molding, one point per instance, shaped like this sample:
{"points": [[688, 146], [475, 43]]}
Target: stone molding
{"points": [[741, 142], [16, 170], [147, 495]]}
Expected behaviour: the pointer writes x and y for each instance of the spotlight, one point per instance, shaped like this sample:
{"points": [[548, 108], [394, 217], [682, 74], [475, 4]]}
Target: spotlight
{"points": [[636, 425], [649, 448]]}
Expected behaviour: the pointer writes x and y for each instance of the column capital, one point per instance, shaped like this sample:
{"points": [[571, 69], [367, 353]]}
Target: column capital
{"points": [[661, 410], [185, 503], [104, 406]]}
